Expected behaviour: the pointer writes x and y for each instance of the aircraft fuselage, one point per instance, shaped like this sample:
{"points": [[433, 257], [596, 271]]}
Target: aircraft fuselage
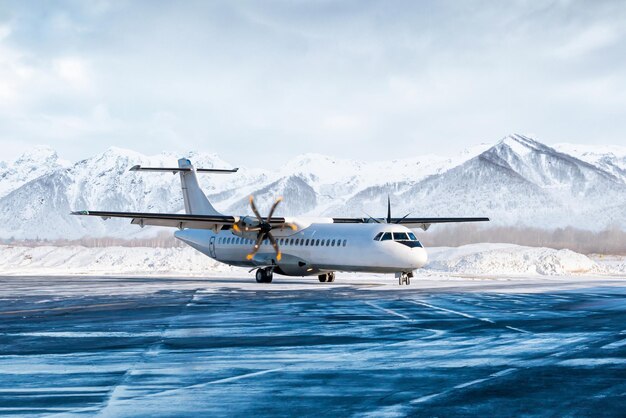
{"points": [[316, 249]]}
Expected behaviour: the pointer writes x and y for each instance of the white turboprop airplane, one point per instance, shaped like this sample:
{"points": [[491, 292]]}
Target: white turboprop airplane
{"points": [[295, 246]]}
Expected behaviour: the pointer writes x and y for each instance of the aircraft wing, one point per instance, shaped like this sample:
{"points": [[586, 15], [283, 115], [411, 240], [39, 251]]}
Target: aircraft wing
{"points": [[423, 223], [177, 220]]}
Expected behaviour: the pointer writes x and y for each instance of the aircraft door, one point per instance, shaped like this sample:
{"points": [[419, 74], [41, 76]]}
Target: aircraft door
{"points": [[212, 246]]}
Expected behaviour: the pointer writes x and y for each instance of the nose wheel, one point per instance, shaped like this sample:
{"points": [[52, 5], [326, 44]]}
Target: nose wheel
{"points": [[405, 278], [264, 275], [327, 278]]}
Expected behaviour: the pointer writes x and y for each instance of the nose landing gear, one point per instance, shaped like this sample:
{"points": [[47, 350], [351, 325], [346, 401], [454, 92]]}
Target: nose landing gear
{"points": [[404, 278], [327, 278], [264, 275]]}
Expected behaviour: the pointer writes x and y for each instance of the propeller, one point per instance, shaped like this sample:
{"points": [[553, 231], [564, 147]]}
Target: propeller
{"points": [[388, 220], [263, 229]]}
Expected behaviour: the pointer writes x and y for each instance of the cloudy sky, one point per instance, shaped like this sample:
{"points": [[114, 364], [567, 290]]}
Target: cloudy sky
{"points": [[260, 81]]}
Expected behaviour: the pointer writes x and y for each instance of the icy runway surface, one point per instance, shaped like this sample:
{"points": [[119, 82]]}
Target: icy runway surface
{"points": [[84, 346]]}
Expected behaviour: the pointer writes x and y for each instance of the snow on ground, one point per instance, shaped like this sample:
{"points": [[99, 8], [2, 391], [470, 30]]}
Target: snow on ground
{"points": [[513, 259], [109, 260], [474, 259]]}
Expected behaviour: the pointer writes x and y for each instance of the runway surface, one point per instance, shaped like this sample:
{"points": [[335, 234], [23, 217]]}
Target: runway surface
{"points": [[84, 346]]}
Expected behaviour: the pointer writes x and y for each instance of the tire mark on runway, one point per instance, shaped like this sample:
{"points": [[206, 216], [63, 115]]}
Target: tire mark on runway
{"points": [[297, 363], [466, 315], [149, 350], [517, 329], [389, 311], [439, 308], [68, 308], [492, 376]]}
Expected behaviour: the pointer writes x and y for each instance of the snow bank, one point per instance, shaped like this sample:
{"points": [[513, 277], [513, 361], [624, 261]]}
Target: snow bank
{"points": [[509, 259], [475, 259], [110, 260]]}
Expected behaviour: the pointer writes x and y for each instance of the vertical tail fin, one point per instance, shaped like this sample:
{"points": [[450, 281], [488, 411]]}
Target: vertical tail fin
{"points": [[196, 201]]}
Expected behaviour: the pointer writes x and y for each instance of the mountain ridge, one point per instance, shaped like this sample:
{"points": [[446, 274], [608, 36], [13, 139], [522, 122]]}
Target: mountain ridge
{"points": [[516, 181]]}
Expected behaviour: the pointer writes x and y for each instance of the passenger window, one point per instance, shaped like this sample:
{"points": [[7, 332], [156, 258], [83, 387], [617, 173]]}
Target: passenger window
{"points": [[386, 236], [344, 242], [306, 243]]}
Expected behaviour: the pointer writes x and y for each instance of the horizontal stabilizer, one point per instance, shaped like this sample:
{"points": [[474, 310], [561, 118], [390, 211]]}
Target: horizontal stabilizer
{"points": [[175, 170]]}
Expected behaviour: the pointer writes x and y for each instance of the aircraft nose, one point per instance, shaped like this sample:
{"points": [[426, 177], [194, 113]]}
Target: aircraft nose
{"points": [[420, 257]]}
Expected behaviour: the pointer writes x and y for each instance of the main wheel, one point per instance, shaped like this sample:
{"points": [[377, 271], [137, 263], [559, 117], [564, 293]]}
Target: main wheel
{"points": [[331, 277], [269, 275], [323, 278], [260, 276]]}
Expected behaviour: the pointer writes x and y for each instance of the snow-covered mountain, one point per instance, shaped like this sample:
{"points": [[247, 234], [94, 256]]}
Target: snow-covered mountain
{"points": [[516, 181], [609, 158]]}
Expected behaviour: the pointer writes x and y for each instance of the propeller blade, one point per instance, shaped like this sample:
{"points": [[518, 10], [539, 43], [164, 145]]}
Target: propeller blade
{"points": [[372, 218], [273, 208], [388, 210], [257, 246], [401, 219], [275, 245], [254, 209]]}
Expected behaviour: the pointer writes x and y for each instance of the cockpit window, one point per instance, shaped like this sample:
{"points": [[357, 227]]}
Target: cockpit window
{"points": [[386, 236], [400, 236], [412, 236], [377, 237]]}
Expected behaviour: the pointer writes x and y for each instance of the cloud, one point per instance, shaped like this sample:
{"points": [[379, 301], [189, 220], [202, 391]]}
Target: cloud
{"points": [[73, 71], [589, 40], [282, 78]]}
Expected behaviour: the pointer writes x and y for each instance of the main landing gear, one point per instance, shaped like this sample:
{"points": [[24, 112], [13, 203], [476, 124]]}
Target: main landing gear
{"points": [[327, 278], [404, 278], [264, 275]]}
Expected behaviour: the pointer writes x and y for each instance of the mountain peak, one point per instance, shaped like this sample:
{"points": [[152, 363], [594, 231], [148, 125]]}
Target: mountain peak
{"points": [[521, 144], [121, 152], [38, 154]]}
